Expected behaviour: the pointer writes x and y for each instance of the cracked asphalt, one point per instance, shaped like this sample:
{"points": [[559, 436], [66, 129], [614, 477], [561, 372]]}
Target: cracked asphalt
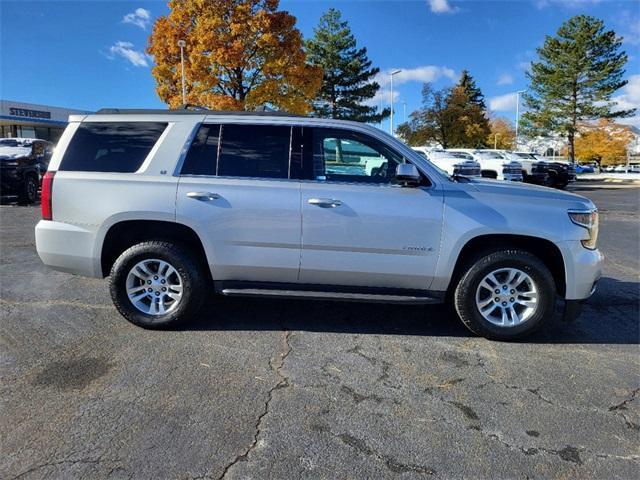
{"points": [[259, 389]]}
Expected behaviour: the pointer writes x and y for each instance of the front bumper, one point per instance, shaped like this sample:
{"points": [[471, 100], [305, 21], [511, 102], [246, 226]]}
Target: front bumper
{"points": [[512, 177], [583, 269], [538, 178]]}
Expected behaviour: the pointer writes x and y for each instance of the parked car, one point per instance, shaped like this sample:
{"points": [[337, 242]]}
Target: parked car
{"points": [[634, 168], [493, 164], [580, 168], [558, 173], [23, 161], [453, 164], [175, 206]]}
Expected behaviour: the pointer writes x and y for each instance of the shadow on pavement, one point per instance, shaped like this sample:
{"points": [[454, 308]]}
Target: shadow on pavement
{"points": [[611, 316]]}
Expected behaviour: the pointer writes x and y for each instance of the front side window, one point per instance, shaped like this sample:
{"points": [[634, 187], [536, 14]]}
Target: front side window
{"points": [[111, 146], [259, 151], [352, 157]]}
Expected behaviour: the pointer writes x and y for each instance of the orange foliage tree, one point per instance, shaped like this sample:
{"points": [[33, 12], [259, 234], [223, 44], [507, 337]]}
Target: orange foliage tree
{"points": [[606, 142], [503, 135], [239, 55]]}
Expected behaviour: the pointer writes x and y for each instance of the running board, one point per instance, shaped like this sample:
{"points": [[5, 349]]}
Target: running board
{"points": [[340, 296]]}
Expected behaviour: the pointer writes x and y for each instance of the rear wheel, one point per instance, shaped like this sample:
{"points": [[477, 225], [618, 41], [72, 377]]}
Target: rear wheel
{"points": [[505, 295], [29, 190], [157, 284]]}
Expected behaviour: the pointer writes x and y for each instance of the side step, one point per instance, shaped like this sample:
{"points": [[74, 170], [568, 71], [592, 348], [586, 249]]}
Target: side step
{"points": [[340, 296]]}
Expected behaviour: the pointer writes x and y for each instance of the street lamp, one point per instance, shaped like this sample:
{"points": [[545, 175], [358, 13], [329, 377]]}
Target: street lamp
{"points": [[391, 118], [404, 112], [518, 113], [182, 44], [495, 141]]}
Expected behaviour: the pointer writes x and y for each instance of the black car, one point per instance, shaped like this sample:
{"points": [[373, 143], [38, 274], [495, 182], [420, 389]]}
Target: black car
{"points": [[23, 162]]}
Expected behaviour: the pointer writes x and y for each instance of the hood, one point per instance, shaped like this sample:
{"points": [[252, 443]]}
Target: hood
{"points": [[527, 193], [12, 153]]}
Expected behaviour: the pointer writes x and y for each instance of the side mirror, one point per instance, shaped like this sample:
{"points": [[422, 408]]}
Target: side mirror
{"points": [[407, 174]]}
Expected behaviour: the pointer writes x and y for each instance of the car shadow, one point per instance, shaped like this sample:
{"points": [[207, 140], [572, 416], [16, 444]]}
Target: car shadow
{"points": [[610, 317]]}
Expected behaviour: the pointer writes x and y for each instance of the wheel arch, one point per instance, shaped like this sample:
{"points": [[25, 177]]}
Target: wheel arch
{"points": [[126, 233], [547, 251]]}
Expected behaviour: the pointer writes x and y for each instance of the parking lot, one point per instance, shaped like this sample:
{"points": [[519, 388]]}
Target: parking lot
{"points": [[293, 389]]}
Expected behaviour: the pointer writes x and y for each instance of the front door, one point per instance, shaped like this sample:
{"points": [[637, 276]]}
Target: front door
{"points": [[358, 226], [235, 191]]}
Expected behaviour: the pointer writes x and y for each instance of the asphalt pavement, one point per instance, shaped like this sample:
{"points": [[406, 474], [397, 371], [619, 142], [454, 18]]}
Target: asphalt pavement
{"points": [[291, 389]]}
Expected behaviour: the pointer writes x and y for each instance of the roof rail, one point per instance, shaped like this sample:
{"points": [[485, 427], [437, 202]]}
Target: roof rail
{"points": [[191, 111]]}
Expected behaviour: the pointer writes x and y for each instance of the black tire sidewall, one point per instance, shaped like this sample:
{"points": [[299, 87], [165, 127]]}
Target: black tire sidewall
{"points": [[24, 196], [465, 293], [188, 269]]}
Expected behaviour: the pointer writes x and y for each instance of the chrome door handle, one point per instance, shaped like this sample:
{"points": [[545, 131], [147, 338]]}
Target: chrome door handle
{"points": [[324, 202], [204, 196]]}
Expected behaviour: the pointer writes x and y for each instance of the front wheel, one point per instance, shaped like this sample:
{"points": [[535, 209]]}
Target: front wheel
{"points": [[157, 284], [505, 295], [29, 190]]}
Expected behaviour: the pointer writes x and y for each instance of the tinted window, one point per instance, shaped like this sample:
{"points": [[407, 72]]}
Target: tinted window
{"points": [[254, 151], [203, 153], [111, 146], [352, 157]]}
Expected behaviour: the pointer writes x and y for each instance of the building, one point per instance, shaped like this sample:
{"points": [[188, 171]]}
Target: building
{"points": [[28, 120]]}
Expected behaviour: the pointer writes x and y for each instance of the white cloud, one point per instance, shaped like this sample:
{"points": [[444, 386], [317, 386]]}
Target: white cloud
{"points": [[427, 73], [442, 6], [505, 79], [128, 52], [540, 4], [630, 98], [503, 103], [140, 18]]}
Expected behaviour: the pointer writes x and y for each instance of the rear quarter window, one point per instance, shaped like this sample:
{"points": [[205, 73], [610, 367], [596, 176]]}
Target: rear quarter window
{"points": [[111, 146]]}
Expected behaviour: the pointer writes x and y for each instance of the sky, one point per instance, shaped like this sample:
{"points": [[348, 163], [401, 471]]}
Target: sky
{"points": [[90, 54]]}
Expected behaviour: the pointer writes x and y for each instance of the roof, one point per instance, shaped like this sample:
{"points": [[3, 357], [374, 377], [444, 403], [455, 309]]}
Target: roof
{"points": [[187, 111]]}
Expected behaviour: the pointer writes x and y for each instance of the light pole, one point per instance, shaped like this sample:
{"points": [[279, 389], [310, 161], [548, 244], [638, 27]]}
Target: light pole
{"points": [[518, 113], [404, 112], [182, 44], [391, 118], [495, 140]]}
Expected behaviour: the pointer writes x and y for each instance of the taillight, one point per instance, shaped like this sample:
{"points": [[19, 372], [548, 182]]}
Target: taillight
{"points": [[45, 196]]}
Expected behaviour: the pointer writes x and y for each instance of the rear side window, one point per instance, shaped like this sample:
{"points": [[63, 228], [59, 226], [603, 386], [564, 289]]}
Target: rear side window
{"points": [[203, 152], [260, 151], [111, 146]]}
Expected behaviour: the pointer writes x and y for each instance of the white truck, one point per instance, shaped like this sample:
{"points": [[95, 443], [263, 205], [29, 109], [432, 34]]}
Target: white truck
{"points": [[493, 165], [453, 164]]}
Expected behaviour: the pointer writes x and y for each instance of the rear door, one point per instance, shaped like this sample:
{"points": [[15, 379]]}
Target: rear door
{"points": [[359, 227], [235, 191]]}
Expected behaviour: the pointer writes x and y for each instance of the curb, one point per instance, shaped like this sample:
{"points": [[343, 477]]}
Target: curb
{"points": [[629, 181]]}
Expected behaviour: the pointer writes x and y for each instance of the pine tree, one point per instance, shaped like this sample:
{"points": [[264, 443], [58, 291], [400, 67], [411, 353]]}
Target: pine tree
{"points": [[348, 75], [577, 73], [467, 106]]}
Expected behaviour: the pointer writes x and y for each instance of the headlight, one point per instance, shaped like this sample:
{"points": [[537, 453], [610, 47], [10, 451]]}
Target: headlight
{"points": [[588, 220]]}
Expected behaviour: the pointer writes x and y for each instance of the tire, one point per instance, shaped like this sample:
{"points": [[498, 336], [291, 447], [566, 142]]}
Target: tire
{"points": [[187, 274], [28, 193], [469, 294]]}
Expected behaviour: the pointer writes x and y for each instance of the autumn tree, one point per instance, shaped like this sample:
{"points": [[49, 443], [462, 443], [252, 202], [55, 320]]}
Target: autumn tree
{"points": [[577, 73], [452, 117], [239, 55], [605, 142], [434, 122], [502, 134]]}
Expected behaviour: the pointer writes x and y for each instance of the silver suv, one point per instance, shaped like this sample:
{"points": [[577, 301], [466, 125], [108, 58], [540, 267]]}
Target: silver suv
{"points": [[176, 206]]}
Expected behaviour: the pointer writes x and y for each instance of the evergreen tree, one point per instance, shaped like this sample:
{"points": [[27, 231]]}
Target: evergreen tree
{"points": [[466, 102], [348, 75], [577, 73]]}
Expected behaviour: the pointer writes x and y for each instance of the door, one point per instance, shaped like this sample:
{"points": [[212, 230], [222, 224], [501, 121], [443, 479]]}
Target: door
{"points": [[359, 227], [235, 192]]}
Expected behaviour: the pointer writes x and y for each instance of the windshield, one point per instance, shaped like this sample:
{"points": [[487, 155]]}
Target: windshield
{"points": [[466, 156], [528, 156], [491, 155]]}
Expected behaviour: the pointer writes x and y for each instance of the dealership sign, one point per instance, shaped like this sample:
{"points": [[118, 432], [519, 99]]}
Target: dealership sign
{"points": [[25, 112]]}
